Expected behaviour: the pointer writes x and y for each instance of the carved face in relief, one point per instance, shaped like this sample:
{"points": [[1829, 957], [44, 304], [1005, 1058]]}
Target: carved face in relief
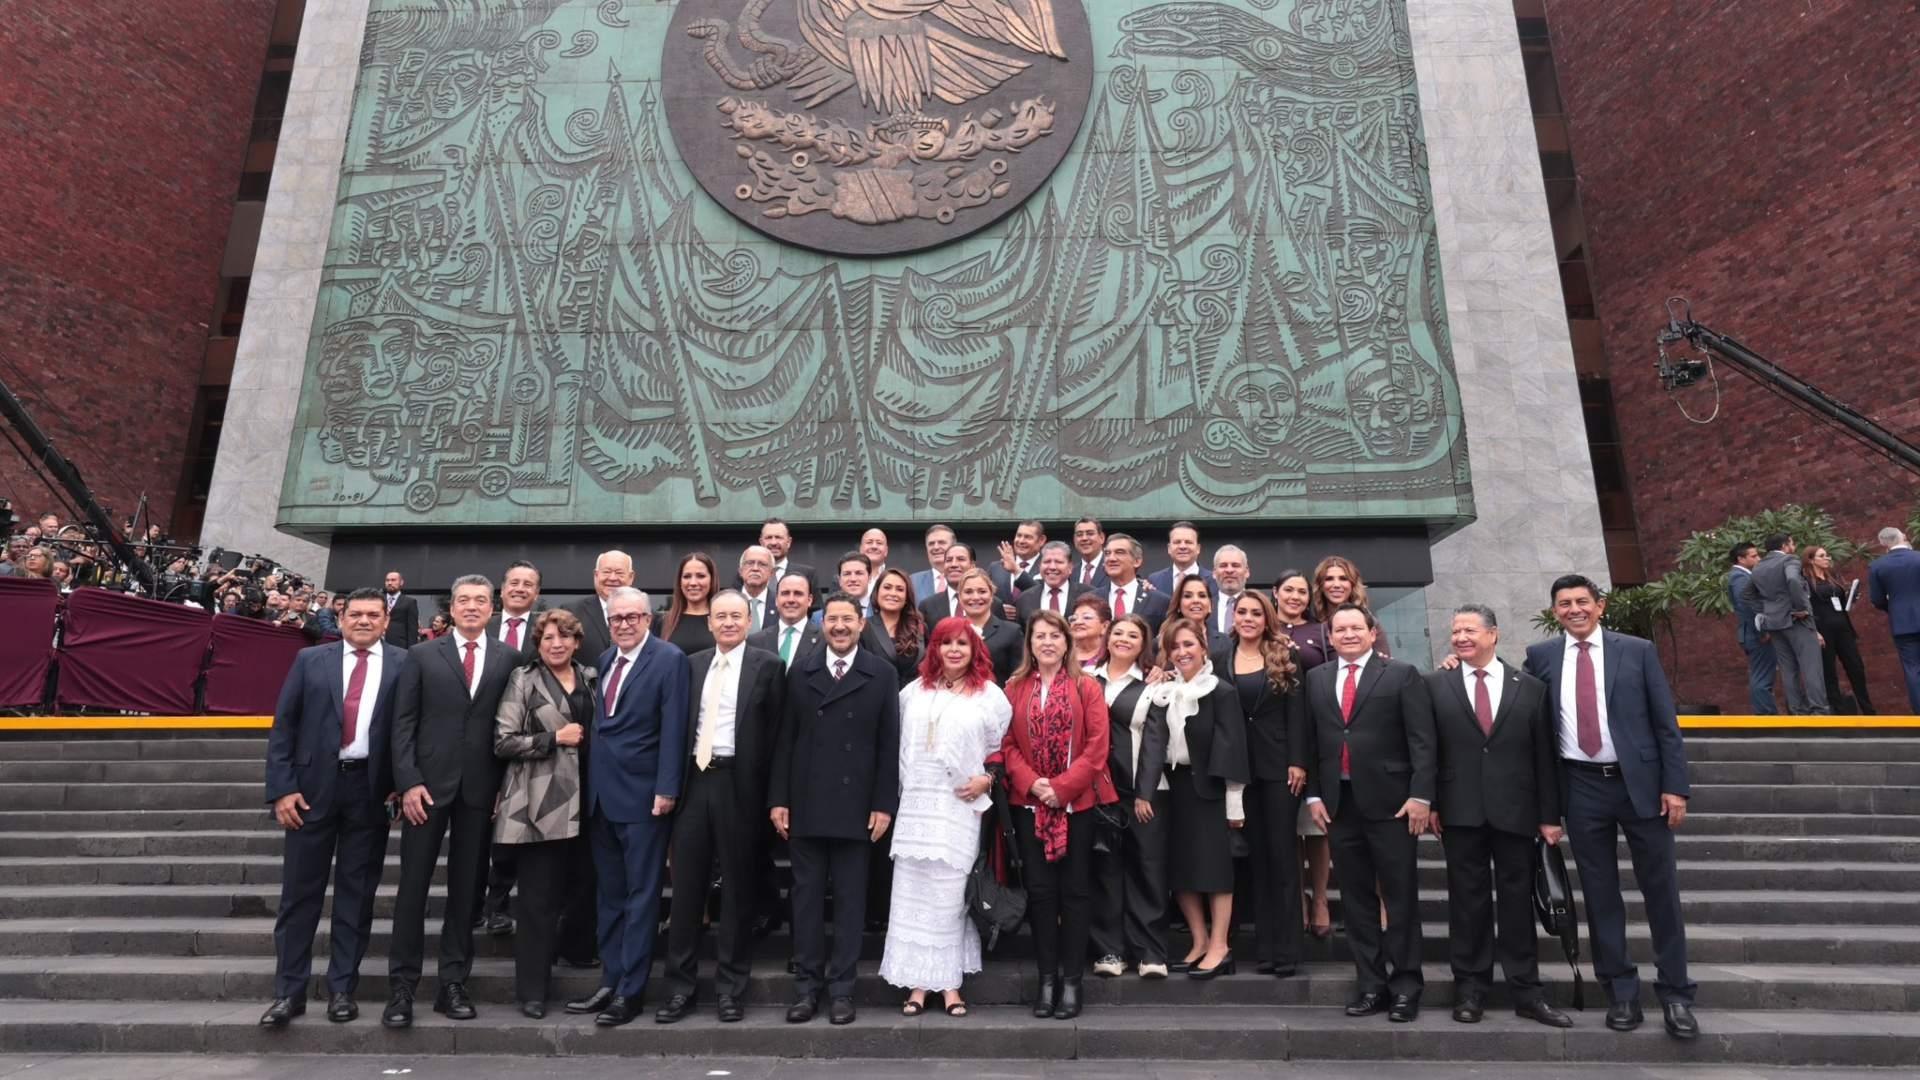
{"points": [[1392, 407], [384, 357], [1265, 400]]}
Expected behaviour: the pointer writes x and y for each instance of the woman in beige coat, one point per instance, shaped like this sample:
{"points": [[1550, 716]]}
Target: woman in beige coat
{"points": [[541, 732]]}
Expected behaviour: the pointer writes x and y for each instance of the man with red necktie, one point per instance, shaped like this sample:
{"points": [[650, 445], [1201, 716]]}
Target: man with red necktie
{"points": [[1127, 593], [329, 777], [512, 627], [1372, 790], [1624, 769], [1057, 590], [1499, 790]]}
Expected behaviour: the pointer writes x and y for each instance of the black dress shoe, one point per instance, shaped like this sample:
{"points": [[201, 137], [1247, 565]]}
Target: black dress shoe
{"points": [[1366, 1003], [840, 1011], [619, 1012], [589, 962], [533, 1010], [452, 1000], [1285, 971], [1069, 1006], [593, 1002], [341, 1008], [1541, 1012], [1405, 1008], [1680, 1021], [1264, 967], [802, 1011], [677, 1008], [731, 1011], [1469, 1009], [1224, 967], [500, 925], [1624, 1015], [1046, 997], [283, 1010], [399, 1012]]}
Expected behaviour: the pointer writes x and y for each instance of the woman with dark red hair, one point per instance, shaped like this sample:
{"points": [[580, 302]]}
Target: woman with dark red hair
{"points": [[1056, 758], [952, 717]]}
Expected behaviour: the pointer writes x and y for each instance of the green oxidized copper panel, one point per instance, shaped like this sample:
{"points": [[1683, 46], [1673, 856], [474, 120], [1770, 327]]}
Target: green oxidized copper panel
{"points": [[1224, 304]]}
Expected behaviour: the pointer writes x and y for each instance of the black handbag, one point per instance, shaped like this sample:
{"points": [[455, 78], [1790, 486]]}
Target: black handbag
{"points": [[1109, 821], [1553, 903], [997, 908]]}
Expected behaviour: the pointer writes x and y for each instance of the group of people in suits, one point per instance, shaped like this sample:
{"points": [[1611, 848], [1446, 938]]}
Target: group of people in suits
{"points": [[1147, 732]]}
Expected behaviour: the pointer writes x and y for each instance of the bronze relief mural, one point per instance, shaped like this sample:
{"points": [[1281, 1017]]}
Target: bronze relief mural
{"points": [[544, 303]]}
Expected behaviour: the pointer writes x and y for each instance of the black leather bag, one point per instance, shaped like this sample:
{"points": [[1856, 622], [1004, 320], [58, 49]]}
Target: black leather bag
{"points": [[997, 908], [1553, 903], [1109, 821]]}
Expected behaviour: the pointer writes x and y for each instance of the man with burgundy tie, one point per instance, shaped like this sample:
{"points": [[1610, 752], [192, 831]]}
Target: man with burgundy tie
{"points": [[1090, 553], [1057, 590], [329, 779], [1372, 791], [1624, 770], [447, 776], [1499, 789], [1127, 593]]}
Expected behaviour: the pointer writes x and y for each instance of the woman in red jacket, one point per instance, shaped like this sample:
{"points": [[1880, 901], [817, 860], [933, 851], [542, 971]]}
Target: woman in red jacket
{"points": [[1055, 755]]}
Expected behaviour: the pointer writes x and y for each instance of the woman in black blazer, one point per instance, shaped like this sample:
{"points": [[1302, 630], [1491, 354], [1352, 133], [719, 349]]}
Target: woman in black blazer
{"points": [[1130, 894], [1192, 599], [1206, 779], [1005, 644], [1838, 641], [899, 631], [1262, 664]]}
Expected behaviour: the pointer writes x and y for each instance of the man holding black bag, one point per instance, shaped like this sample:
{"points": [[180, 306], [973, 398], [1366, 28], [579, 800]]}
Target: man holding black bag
{"points": [[1499, 789]]}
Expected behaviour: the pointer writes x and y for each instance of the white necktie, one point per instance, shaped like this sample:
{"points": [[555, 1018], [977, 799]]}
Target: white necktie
{"points": [[709, 714]]}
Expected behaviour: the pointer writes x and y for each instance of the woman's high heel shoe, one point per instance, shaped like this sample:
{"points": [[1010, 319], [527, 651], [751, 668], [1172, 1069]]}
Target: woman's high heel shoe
{"points": [[1224, 967]]}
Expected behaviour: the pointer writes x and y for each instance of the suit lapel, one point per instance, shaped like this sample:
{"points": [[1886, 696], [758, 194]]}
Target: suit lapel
{"points": [[335, 657], [846, 684], [1610, 643], [1457, 689], [1509, 690], [1370, 677], [450, 652]]}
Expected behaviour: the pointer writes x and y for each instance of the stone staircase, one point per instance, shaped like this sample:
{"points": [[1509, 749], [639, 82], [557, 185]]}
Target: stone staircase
{"points": [[138, 881]]}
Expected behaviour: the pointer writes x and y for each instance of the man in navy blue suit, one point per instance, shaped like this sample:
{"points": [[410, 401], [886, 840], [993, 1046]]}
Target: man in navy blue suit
{"points": [[1762, 670], [1625, 771], [330, 780], [639, 760], [1893, 584], [1183, 547]]}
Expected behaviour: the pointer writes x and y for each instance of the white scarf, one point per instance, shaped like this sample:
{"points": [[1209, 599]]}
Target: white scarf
{"points": [[1182, 701]]}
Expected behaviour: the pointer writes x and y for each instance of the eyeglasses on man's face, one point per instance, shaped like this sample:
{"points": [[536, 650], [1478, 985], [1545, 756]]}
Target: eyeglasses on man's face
{"points": [[625, 620]]}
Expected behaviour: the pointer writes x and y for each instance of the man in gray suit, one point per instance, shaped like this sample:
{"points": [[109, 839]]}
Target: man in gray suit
{"points": [[1761, 668], [1777, 589]]}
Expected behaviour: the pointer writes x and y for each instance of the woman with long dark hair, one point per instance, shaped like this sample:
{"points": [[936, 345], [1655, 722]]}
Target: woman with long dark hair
{"points": [[900, 628], [685, 623], [1293, 603], [1838, 641], [1055, 754], [952, 718]]}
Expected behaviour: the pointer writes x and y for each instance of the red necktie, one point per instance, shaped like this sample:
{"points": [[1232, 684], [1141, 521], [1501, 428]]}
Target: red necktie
{"points": [[1119, 603], [467, 665], [1053, 600], [612, 691], [1482, 703], [1086, 573], [1586, 701], [350, 707], [513, 633], [1347, 692]]}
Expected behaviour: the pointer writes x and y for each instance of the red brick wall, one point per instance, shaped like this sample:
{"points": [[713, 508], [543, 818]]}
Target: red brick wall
{"points": [[123, 126], [1762, 160]]}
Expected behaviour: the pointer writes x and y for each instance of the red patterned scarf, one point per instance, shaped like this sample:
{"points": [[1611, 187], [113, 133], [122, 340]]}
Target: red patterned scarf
{"points": [[1050, 733]]}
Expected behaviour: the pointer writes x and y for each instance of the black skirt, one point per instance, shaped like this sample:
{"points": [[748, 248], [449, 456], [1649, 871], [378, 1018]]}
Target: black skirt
{"points": [[1199, 844]]}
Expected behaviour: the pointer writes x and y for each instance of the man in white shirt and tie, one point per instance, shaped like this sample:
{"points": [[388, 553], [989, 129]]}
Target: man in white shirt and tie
{"points": [[1127, 592], [1090, 553], [737, 694], [1183, 548], [519, 592], [1230, 572], [946, 602], [873, 544], [792, 634], [777, 537], [756, 581], [1056, 590], [932, 581]]}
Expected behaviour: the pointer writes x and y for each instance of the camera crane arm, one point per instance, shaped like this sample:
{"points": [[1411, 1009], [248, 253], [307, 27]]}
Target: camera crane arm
{"points": [[40, 447], [1675, 374]]}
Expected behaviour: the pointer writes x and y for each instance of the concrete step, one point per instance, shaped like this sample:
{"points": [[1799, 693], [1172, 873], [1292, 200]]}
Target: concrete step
{"points": [[151, 796], [86, 869], [252, 936], [246, 746], [1788, 799], [1718, 821], [1193, 1032], [1843, 748], [1706, 774], [132, 772], [1003, 982]]}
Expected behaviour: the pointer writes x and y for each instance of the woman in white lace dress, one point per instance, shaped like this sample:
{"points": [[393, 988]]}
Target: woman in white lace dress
{"points": [[951, 718]]}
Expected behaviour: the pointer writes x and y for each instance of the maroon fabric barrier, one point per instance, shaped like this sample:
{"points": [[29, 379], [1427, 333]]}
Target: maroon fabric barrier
{"points": [[250, 661], [123, 652], [26, 646]]}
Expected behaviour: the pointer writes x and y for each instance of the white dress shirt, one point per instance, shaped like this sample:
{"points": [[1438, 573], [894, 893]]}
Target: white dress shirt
{"points": [[1052, 594], [799, 638], [369, 694], [632, 657], [479, 659], [720, 699], [1224, 616], [1496, 678], [834, 657], [526, 625], [757, 608], [1569, 706], [1131, 590]]}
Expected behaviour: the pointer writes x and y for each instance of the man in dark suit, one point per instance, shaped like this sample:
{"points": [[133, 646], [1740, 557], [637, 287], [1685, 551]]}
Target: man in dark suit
{"points": [[329, 780], [1372, 791], [444, 768], [735, 699], [639, 762], [1019, 564], [756, 585], [926, 583], [1499, 788], [1056, 590], [833, 792], [512, 627], [1761, 667], [1126, 592], [612, 570], [1183, 548], [1893, 584], [777, 537], [1090, 553], [946, 602], [403, 613], [1231, 570], [853, 575], [792, 634], [1779, 592], [1623, 769]]}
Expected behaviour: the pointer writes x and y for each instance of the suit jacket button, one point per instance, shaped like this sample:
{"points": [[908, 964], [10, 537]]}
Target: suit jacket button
{"points": [[846, 781], [849, 748]]}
